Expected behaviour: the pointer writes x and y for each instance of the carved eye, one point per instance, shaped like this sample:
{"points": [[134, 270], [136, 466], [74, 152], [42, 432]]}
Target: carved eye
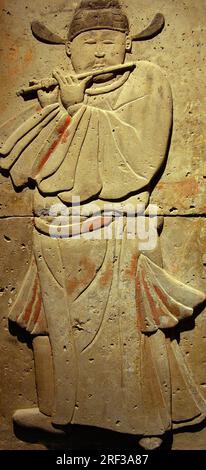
{"points": [[90, 41], [108, 41]]}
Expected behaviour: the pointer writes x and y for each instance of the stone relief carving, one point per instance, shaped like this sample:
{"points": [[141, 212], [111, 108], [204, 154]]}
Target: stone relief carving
{"points": [[102, 311]]}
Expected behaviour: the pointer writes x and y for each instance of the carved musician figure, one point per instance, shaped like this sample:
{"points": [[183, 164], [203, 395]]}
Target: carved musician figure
{"points": [[102, 312]]}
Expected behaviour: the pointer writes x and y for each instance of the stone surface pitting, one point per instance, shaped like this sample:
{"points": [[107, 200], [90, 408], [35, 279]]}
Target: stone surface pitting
{"points": [[180, 194]]}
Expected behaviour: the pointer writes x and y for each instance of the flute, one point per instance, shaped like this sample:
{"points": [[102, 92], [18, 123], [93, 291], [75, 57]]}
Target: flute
{"points": [[92, 73]]}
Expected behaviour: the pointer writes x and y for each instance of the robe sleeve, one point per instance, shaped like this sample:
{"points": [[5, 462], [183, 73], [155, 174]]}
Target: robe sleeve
{"points": [[28, 310], [124, 144], [23, 137], [137, 132], [162, 301]]}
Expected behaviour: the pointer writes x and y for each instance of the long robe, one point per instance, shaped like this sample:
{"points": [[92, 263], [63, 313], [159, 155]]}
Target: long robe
{"points": [[106, 307]]}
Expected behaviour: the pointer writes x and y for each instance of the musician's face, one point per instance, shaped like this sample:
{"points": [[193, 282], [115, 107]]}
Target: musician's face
{"points": [[98, 48]]}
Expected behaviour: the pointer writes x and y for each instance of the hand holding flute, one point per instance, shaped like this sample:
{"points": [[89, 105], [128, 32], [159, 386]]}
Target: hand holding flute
{"points": [[68, 88], [63, 81], [71, 89]]}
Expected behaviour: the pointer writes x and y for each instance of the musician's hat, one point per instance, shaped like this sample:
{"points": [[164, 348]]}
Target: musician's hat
{"points": [[97, 14]]}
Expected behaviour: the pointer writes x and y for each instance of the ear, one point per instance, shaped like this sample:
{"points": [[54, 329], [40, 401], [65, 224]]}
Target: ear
{"points": [[128, 46], [68, 48]]}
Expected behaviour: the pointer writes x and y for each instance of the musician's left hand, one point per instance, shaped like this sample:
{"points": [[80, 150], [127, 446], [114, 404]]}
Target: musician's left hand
{"points": [[47, 95]]}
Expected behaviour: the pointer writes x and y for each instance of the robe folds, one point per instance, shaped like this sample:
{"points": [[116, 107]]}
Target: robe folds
{"points": [[111, 147], [109, 309]]}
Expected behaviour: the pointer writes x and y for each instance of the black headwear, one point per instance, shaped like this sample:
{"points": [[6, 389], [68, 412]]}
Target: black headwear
{"points": [[98, 14]]}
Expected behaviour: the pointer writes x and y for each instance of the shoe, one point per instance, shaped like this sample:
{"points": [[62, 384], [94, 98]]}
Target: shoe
{"points": [[33, 418], [150, 443]]}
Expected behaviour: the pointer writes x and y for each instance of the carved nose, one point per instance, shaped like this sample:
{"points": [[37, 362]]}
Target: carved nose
{"points": [[99, 54]]}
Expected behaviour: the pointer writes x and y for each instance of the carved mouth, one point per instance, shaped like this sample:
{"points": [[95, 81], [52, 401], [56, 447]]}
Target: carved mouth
{"points": [[98, 66]]}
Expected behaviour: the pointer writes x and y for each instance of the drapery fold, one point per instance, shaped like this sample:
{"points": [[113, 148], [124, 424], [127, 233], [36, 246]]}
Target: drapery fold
{"points": [[162, 301], [145, 371], [125, 136], [106, 297]]}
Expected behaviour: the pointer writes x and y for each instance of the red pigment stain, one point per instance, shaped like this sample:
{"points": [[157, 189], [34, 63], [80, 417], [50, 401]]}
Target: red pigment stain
{"points": [[174, 310], [15, 71], [155, 312], [88, 273], [65, 137], [106, 220], [30, 305], [13, 52], [96, 224], [37, 308], [131, 270], [61, 130], [140, 315], [28, 56], [186, 188], [107, 276]]}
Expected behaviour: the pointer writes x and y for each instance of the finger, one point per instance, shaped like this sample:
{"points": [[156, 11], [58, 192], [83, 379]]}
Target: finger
{"points": [[40, 93], [75, 80], [60, 77], [54, 93], [60, 72], [33, 82], [70, 80], [86, 81], [46, 83]]}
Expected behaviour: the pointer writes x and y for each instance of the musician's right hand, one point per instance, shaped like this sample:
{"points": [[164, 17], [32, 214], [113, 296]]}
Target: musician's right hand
{"points": [[71, 89]]}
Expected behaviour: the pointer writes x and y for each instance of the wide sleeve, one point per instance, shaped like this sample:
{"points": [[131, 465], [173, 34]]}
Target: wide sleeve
{"points": [[162, 301], [24, 137], [137, 131]]}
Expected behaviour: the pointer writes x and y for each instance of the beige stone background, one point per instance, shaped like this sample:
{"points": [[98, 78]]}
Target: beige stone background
{"points": [[180, 193]]}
